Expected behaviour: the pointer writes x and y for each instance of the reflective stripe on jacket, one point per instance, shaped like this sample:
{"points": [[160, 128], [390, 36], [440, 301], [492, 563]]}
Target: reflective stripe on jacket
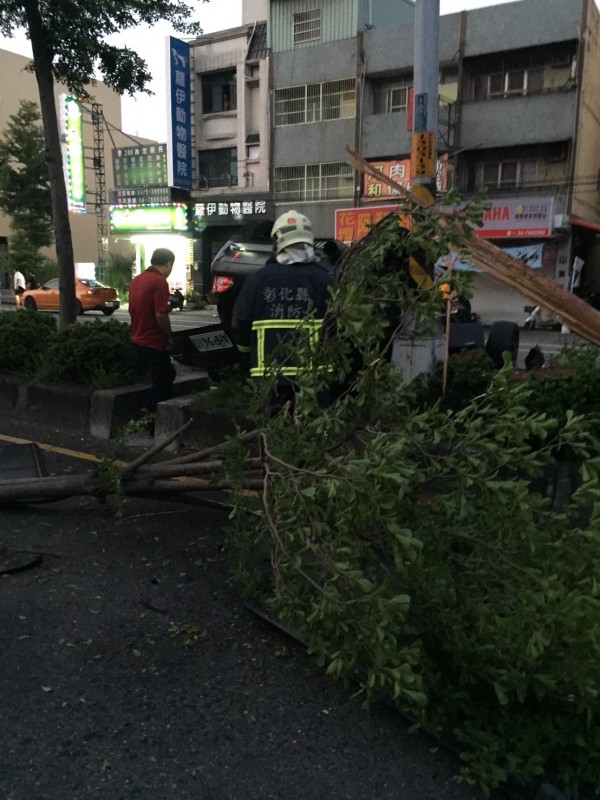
{"points": [[270, 334]]}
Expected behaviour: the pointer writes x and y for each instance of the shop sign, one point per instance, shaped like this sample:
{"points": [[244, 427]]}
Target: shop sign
{"points": [[397, 170], [148, 218], [72, 128], [352, 224], [224, 211], [179, 141], [518, 217], [143, 165], [140, 196], [423, 152]]}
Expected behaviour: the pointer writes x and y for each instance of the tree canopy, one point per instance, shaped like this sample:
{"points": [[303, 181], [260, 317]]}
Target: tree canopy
{"points": [[24, 181], [70, 44], [73, 36]]}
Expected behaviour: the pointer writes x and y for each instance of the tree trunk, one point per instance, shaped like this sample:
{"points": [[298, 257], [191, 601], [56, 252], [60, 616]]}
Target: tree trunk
{"points": [[42, 62]]}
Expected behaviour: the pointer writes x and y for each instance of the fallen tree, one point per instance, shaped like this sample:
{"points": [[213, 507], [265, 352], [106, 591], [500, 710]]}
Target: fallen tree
{"points": [[411, 542], [413, 546]]}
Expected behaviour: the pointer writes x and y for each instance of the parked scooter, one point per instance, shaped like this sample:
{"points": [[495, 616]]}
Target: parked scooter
{"points": [[540, 319]]}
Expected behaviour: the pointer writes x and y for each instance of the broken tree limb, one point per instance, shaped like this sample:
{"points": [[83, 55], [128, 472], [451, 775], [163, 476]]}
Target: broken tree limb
{"points": [[54, 487], [63, 486], [170, 470], [155, 449], [134, 478], [208, 451]]}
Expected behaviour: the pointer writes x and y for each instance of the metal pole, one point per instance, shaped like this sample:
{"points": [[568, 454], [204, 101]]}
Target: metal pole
{"points": [[426, 88]]}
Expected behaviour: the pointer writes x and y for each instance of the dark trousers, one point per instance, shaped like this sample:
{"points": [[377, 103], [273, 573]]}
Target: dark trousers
{"points": [[162, 374]]}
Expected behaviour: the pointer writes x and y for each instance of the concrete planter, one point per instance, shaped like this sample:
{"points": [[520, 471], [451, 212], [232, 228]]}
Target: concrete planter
{"points": [[100, 413]]}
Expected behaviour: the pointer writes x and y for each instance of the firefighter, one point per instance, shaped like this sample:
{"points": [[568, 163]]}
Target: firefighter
{"points": [[276, 299]]}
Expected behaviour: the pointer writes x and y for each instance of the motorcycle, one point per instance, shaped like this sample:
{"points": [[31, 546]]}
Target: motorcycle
{"points": [[540, 319]]}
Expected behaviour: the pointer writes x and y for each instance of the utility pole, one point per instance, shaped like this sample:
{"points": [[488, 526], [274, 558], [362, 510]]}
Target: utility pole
{"points": [[423, 156]]}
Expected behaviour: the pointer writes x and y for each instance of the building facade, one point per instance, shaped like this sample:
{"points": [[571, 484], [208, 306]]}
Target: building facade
{"points": [[101, 131], [519, 115], [231, 189], [277, 100]]}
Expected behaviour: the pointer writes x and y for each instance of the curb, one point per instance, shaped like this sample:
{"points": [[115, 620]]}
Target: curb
{"points": [[99, 413], [111, 409]]}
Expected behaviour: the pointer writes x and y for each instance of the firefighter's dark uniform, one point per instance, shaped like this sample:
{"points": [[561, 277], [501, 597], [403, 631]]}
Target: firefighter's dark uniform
{"points": [[271, 306]]}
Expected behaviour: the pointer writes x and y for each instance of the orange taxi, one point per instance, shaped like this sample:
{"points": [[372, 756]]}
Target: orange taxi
{"points": [[90, 295]]}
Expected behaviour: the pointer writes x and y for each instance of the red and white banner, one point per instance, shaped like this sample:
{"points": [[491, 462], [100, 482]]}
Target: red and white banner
{"points": [[518, 218]]}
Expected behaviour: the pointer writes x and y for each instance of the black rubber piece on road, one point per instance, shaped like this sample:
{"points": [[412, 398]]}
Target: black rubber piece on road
{"points": [[11, 563]]}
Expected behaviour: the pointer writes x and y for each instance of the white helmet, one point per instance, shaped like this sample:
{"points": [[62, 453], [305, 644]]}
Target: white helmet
{"points": [[292, 228]]}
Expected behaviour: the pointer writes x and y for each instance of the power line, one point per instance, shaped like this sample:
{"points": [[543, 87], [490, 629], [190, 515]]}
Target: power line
{"points": [[110, 125]]}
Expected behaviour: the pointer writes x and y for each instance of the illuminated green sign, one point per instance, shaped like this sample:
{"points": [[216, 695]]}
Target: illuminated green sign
{"points": [[74, 163], [148, 218]]}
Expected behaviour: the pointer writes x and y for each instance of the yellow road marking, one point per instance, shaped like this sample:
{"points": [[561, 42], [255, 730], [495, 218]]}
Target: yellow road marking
{"points": [[50, 448]]}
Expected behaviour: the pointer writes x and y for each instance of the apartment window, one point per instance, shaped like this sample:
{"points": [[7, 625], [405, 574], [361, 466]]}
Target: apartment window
{"points": [[253, 146], [509, 174], [218, 167], [315, 102], [307, 26], [509, 82], [219, 92], [314, 182], [386, 101]]}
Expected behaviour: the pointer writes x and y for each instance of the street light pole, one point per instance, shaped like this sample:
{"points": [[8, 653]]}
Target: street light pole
{"points": [[423, 155]]}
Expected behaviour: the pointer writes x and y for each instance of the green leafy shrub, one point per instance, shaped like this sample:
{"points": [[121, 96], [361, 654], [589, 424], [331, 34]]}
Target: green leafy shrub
{"points": [[571, 381], [25, 338], [469, 374], [97, 354]]}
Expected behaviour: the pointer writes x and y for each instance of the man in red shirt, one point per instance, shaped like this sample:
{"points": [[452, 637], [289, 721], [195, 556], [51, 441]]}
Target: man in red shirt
{"points": [[150, 324]]}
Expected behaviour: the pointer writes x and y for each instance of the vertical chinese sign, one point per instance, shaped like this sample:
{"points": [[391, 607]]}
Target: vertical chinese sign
{"points": [[179, 141], [71, 123]]}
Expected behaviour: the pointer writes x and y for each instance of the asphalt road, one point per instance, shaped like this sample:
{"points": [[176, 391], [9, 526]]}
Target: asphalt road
{"points": [[131, 668]]}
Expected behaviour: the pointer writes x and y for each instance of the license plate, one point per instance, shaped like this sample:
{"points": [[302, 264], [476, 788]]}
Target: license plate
{"points": [[204, 342], [108, 305]]}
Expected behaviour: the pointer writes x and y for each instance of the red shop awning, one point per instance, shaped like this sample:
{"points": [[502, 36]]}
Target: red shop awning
{"points": [[584, 223]]}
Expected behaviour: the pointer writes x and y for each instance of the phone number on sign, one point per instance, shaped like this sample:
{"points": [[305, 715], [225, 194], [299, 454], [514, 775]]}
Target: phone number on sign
{"points": [[203, 342]]}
